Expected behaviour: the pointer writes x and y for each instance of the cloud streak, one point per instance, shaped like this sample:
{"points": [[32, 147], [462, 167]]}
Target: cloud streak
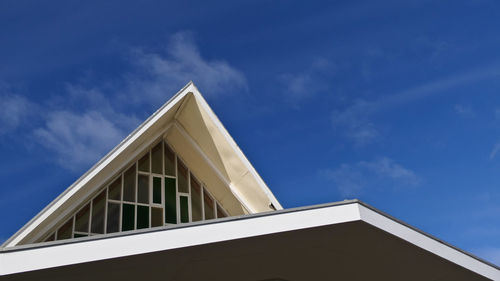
{"points": [[15, 110], [496, 146], [79, 138], [308, 83], [85, 121], [464, 111], [356, 121], [358, 178], [157, 76], [355, 124], [495, 150]]}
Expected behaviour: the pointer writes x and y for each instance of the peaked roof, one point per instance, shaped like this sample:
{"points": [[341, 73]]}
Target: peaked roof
{"points": [[191, 118]]}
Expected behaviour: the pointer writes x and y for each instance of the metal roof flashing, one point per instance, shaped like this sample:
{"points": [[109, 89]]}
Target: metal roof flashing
{"points": [[246, 226]]}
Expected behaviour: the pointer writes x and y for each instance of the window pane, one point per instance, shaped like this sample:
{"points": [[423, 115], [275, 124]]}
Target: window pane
{"points": [[169, 161], [143, 189], [113, 222], [170, 204], [142, 217], [156, 159], [220, 212], [144, 163], [78, 235], [128, 217], [115, 189], [98, 205], [209, 205], [82, 219], [66, 230], [156, 217], [182, 175], [156, 190], [196, 200], [183, 200], [129, 185]]}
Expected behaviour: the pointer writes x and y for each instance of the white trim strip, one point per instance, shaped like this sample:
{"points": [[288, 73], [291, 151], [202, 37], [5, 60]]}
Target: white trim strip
{"points": [[237, 149], [427, 243], [55, 205], [83, 180], [226, 181], [94, 250], [61, 253]]}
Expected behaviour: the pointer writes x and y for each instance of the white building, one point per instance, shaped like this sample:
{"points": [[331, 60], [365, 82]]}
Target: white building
{"points": [[178, 200]]}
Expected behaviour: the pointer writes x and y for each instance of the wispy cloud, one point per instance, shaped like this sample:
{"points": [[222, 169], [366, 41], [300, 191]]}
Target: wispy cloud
{"points": [[309, 82], [79, 139], [497, 114], [434, 48], [355, 179], [356, 121], [86, 120], [14, 110], [495, 150], [157, 76], [496, 146], [464, 111]]}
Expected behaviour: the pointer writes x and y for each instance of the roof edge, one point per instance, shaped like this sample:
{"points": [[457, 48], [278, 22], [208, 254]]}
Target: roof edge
{"points": [[263, 186], [9, 241], [364, 210], [444, 243]]}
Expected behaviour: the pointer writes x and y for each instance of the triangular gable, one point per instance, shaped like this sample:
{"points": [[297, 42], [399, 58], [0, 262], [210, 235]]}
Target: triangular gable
{"points": [[189, 125]]}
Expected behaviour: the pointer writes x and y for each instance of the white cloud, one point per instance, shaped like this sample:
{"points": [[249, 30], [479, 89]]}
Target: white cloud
{"points": [[464, 111], [14, 110], [306, 84], [496, 147], [497, 114], [356, 121], [85, 129], [355, 179], [158, 76], [85, 122], [355, 124], [79, 139], [495, 150]]}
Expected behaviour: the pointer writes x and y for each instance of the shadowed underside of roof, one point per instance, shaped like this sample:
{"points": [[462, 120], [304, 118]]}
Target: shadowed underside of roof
{"points": [[347, 240]]}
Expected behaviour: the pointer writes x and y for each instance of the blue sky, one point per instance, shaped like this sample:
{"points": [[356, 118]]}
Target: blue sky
{"points": [[396, 103]]}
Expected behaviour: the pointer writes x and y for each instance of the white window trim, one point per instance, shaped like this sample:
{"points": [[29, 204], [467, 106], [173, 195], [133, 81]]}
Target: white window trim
{"points": [[150, 205]]}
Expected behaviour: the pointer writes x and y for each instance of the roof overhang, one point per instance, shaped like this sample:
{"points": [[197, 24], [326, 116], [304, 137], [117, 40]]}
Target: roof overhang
{"points": [[346, 241], [194, 130]]}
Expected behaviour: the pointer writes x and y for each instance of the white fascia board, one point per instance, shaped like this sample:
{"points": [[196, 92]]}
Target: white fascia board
{"points": [[263, 186], [427, 242], [85, 178], [61, 253]]}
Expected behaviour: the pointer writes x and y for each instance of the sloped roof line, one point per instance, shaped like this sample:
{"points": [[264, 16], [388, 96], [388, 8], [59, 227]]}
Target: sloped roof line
{"points": [[238, 151], [96, 168]]}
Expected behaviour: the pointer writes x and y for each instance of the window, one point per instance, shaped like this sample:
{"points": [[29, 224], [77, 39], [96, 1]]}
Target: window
{"points": [[158, 189]]}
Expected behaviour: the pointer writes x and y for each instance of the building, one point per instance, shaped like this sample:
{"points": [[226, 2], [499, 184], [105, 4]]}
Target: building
{"points": [[178, 200]]}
